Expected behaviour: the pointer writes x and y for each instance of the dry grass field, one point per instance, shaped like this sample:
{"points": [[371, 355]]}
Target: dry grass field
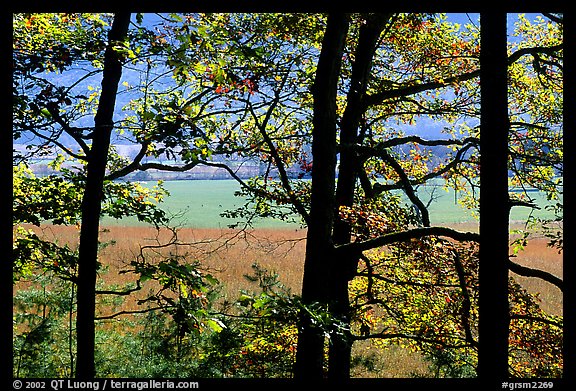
{"points": [[229, 255]]}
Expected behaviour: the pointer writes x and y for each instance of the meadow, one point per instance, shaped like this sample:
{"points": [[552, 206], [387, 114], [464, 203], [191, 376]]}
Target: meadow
{"points": [[229, 255], [199, 204], [278, 247]]}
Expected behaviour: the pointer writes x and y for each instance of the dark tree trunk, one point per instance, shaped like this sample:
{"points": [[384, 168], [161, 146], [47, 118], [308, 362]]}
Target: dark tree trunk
{"points": [[91, 201], [319, 246], [569, 90], [341, 342], [494, 209]]}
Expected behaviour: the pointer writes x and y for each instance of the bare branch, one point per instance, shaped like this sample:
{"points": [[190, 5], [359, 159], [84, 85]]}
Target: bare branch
{"points": [[54, 141], [402, 236], [133, 166], [466, 302], [379, 97], [550, 50], [554, 17], [371, 275], [529, 272], [75, 133], [379, 188], [165, 167], [121, 293], [274, 153], [408, 189], [128, 313]]}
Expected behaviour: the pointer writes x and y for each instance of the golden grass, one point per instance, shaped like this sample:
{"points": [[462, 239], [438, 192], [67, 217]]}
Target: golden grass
{"points": [[538, 255], [229, 255], [387, 363], [226, 254]]}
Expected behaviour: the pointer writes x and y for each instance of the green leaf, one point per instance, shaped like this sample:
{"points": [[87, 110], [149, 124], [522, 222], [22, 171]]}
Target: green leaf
{"points": [[46, 113], [211, 279], [215, 324]]}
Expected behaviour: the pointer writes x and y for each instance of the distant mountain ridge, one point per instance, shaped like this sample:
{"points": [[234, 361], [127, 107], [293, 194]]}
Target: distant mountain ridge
{"points": [[243, 168]]}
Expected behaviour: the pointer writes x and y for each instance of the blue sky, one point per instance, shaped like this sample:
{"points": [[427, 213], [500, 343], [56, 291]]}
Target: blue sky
{"points": [[432, 128]]}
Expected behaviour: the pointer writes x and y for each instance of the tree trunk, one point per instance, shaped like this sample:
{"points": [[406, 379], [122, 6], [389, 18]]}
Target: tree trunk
{"points": [[494, 207], [92, 198], [569, 91], [319, 246], [341, 341]]}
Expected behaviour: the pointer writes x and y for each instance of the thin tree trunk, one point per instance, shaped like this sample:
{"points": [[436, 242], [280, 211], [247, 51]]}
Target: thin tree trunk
{"points": [[92, 198], [341, 339], [319, 247], [494, 209]]}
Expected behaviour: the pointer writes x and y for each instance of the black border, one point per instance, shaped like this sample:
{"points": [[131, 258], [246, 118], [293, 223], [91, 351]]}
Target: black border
{"points": [[311, 6]]}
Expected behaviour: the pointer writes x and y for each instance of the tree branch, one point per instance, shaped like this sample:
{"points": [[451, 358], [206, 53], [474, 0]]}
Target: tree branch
{"points": [[128, 313], [165, 167], [53, 140], [537, 319], [379, 188], [417, 233], [74, 132], [274, 152], [415, 337], [430, 143], [121, 293], [402, 236], [133, 166], [550, 50], [408, 189], [236, 177], [529, 272], [466, 302], [379, 97], [553, 17], [370, 275]]}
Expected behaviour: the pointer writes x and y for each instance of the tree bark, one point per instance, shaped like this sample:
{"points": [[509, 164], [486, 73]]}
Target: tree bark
{"points": [[92, 198], [341, 339], [569, 89], [494, 211], [319, 247]]}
